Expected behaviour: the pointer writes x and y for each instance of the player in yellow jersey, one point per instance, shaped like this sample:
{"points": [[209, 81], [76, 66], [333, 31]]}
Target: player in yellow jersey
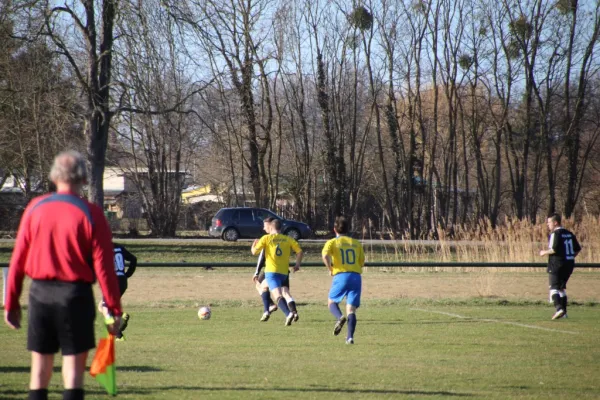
{"points": [[344, 258], [278, 249], [259, 279]]}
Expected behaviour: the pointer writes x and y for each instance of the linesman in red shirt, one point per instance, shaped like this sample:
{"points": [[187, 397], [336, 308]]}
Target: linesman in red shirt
{"points": [[63, 244]]}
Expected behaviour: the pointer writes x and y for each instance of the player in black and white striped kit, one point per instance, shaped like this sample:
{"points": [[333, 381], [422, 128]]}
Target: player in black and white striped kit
{"points": [[124, 272], [563, 247]]}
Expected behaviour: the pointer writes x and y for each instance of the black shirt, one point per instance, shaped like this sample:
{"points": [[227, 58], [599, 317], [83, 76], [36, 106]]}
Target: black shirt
{"points": [[565, 246], [122, 255]]}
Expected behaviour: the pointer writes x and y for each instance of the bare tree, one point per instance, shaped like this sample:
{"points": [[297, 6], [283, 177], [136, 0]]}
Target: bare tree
{"points": [[156, 148], [84, 35], [296, 111], [37, 107], [576, 99], [235, 37]]}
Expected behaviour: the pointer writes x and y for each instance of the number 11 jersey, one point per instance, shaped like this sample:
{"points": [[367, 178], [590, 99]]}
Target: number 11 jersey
{"points": [[565, 246]]}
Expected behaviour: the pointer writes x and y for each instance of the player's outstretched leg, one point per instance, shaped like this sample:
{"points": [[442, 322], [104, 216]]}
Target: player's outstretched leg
{"points": [[557, 304], [289, 319], [290, 303], [563, 302], [284, 308], [337, 328], [124, 321], [334, 309], [351, 328], [266, 299], [292, 306]]}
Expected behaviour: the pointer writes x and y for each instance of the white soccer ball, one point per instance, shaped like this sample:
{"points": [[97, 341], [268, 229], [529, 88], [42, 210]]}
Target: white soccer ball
{"points": [[204, 312]]}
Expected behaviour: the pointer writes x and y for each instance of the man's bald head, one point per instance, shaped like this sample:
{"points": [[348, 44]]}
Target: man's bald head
{"points": [[69, 168]]}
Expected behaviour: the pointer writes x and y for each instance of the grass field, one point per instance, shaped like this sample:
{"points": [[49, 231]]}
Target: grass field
{"points": [[402, 350], [191, 250], [422, 334]]}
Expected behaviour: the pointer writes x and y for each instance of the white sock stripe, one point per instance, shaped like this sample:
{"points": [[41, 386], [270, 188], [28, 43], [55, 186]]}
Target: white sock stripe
{"points": [[562, 293], [554, 291], [495, 320]]}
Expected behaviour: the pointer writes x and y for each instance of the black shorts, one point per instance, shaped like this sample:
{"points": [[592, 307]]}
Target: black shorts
{"points": [[286, 283], [61, 315], [558, 280], [122, 283]]}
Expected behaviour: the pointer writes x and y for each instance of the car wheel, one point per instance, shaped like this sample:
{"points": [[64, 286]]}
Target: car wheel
{"points": [[231, 235], [293, 233]]}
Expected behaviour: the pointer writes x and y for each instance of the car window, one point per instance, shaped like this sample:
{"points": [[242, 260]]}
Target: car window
{"points": [[246, 216], [262, 214], [221, 213]]}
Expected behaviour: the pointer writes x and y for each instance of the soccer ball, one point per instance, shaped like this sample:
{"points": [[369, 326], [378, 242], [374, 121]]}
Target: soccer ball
{"points": [[204, 312]]}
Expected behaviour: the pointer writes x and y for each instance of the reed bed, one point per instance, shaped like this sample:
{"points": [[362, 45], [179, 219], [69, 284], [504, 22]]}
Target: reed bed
{"points": [[511, 241]]}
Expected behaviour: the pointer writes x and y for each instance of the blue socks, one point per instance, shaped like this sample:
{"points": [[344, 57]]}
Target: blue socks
{"points": [[266, 299], [283, 306], [335, 310], [351, 325]]}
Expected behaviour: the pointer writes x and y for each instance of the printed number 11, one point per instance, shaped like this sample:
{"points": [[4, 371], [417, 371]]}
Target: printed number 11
{"points": [[569, 251]]}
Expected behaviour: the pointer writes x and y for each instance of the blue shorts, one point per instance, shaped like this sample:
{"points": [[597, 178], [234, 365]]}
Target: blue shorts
{"points": [[275, 280], [346, 284]]}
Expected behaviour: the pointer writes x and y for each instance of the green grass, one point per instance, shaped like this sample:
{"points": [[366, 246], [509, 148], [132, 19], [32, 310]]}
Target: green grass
{"points": [[148, 250], [402, 350]]}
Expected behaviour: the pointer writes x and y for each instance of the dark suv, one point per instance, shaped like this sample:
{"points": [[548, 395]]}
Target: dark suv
{"points": [[246, 222]]}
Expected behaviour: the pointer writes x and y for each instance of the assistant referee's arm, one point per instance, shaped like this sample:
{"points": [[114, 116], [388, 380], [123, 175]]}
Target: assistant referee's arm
{"points": [[16, 272]]}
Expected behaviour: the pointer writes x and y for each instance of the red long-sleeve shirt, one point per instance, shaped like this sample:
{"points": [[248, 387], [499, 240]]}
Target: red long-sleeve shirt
{"points": [[66, 238]]}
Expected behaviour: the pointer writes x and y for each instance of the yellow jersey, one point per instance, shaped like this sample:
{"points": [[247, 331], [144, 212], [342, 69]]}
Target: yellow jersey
{"points": [[346, 254], [278, 249]]}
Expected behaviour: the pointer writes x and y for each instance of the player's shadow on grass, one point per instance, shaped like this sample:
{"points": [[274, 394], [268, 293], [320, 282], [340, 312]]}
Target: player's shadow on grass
{"points": [[12, 394], [4, 394], [57, 369], [321, 390]]}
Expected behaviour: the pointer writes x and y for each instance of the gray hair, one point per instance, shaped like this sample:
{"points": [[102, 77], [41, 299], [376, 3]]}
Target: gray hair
{"points": [[69, 167]]}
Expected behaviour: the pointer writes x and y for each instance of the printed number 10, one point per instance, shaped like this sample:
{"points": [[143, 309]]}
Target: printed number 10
{"points": [[348, 256]]}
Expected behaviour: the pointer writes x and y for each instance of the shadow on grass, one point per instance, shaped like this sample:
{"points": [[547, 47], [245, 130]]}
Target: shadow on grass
{"points": [[57, 369], [18, 394], [349, 391], [159, 389], [12, 394]]}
